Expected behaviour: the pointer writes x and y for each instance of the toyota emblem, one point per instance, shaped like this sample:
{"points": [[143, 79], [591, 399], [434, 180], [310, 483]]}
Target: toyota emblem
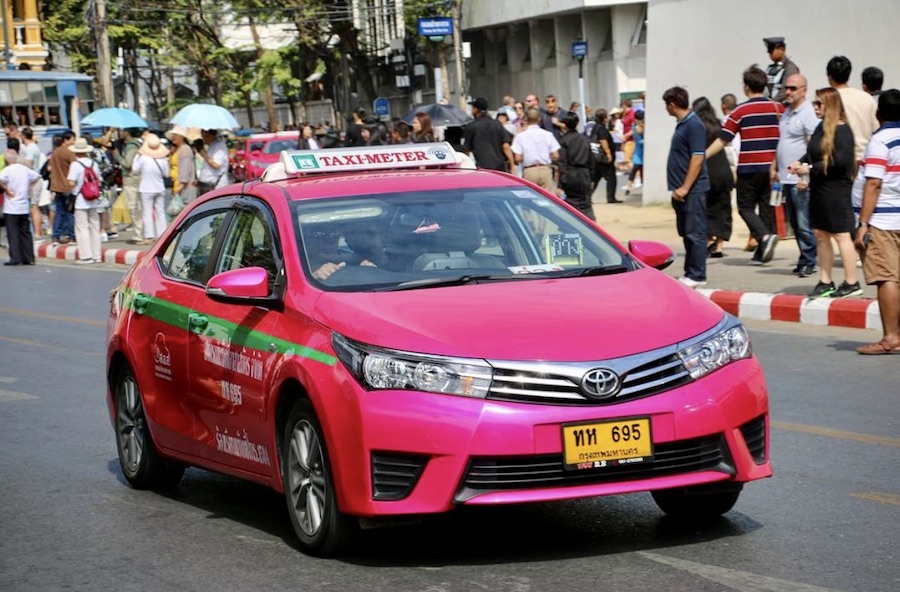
{"points": [[600, 383]]}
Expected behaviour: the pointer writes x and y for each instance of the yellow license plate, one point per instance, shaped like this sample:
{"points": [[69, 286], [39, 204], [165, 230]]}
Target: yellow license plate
{"points": [[593, 445]]}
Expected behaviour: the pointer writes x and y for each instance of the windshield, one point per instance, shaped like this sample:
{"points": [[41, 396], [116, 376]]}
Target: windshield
{"points": [[431, 238], [277, 146]]}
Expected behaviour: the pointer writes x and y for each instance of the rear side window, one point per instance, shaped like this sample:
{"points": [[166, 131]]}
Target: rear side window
{"points": [[187, 257]]}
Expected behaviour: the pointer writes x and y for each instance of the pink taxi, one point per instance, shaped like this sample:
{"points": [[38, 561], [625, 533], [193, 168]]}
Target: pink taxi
{"points": [[382, 333]]}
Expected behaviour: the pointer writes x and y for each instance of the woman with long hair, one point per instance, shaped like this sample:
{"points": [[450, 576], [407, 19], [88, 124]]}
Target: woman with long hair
{"points": [[421, 128], [829, 163], [721, 182]]}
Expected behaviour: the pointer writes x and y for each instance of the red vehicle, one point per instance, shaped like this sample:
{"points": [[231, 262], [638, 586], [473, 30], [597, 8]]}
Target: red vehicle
{"points": [[262, 150], [381, 334]]}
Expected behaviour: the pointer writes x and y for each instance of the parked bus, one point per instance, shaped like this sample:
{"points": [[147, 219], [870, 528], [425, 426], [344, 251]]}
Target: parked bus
{"points": [[43, 100]]}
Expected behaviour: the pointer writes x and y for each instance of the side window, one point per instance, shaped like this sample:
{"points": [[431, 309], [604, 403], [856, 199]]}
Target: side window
{"points": [[187, 256], [249, 243]]}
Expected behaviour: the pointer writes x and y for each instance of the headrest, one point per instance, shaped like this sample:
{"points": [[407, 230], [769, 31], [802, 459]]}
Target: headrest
{"points": [[438, 228]]}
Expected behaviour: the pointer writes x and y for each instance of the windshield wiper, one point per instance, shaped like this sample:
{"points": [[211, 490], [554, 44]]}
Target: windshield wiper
{"points": [[457, 280], [595, 270]]}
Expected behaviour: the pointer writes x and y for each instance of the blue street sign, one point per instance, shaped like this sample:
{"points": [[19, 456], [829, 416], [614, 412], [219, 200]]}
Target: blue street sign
{"points": [[438, 26], [579, 49], [381, 106]]}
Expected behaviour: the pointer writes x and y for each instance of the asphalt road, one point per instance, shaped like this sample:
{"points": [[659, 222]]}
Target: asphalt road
{"points": [[827, 521]]}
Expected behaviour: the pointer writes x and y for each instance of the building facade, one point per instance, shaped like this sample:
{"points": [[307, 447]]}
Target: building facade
{"points": [[526, 47], [22, 36]]}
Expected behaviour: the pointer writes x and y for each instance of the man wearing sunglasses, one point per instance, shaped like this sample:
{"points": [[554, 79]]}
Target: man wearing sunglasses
{"points": [[795, 128]]}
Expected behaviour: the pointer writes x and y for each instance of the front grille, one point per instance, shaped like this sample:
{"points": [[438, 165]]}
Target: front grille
{"points": [[395, 475], [560, 384], [540, 471], [754, 432]]}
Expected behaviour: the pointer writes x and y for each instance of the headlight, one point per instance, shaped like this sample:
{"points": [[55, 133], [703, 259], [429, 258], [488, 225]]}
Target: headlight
{"points": [[377, 368], [728, 345]]}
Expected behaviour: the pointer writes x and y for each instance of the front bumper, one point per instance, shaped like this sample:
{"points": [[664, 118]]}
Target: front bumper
{"points": [[406, 452]]}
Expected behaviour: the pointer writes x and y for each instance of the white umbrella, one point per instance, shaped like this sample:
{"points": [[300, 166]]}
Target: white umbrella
{"points": [[205, 116]]}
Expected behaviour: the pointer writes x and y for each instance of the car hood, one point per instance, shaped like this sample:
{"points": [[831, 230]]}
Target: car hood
{"points": [[571, 319]]}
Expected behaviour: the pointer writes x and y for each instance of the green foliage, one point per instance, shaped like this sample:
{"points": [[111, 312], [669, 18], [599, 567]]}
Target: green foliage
{"points": [[187, 35]]}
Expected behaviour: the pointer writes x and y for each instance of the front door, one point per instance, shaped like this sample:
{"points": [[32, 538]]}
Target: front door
{"points": [[231, 346]]}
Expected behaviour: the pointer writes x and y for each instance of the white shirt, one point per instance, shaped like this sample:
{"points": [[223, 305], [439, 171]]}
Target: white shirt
{"points": [[17, 178], [218, 152], [32, 152], [860, 110], [151, 171], [76, 173], [535, 145], [881, 161]]}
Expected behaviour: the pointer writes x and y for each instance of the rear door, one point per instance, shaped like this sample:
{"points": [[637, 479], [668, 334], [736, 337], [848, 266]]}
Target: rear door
{"points": [[161, 299]]}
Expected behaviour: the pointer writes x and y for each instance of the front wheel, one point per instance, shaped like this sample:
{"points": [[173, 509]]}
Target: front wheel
{"points": [[309, 487], [142, 465], [698, 503]]}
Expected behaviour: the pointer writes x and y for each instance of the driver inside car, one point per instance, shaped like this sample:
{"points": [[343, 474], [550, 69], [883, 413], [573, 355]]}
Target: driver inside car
{"points": [[325, 255]]}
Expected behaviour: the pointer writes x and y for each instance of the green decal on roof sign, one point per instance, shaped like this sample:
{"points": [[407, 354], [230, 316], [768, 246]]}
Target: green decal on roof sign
{"points": [[305, 162]]}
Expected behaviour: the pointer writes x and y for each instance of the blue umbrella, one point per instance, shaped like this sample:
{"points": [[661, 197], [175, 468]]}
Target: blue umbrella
{"points": [[205, 116], [114, 117]]}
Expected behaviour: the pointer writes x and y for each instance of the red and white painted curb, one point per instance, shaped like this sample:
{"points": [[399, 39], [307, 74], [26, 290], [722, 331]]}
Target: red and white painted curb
{"points": [[856, 313], [70, 253]]}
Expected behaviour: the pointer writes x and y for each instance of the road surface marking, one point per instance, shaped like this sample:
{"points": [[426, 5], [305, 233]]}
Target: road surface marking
{"points": [[819, 431], [15, 396], [50, 317], [8, 379], [743, 581], [33, 343], [881, 498]]}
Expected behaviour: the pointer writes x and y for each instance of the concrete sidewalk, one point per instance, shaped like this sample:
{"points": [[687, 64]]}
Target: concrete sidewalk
{"points": [[769, 292]]}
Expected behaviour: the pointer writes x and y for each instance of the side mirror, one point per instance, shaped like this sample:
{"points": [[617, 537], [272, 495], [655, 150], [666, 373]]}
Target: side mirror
{"points": [[652, 253], [248, 284]]}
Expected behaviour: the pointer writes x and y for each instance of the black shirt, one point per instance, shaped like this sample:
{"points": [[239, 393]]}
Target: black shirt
{"points": [[575, 150], [354, 136], [484, 138]]}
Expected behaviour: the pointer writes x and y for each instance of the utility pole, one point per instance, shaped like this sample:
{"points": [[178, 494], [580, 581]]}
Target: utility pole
{"points": [[462, 86], [104, 65]]}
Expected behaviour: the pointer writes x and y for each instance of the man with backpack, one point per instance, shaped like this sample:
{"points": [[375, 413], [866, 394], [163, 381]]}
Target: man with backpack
{"points": [[84, 182]]}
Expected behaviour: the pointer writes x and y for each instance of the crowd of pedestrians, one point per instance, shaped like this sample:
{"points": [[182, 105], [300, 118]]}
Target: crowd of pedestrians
{"points": [[834, 161]]}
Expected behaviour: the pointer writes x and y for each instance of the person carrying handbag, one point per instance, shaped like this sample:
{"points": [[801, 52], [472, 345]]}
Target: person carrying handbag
{"points": [[152, 165]]}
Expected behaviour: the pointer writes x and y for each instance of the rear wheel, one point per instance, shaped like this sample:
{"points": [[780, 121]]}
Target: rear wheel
{"points": [[697, 503], [309, 487], [140, 462]]}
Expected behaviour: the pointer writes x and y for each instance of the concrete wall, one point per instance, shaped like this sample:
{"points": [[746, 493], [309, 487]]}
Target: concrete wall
{"points": [[704, 46], [504, 34]]}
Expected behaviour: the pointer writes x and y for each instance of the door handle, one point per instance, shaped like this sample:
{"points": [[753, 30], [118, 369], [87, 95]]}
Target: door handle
{"points": [[140, 302], [197, 322]]}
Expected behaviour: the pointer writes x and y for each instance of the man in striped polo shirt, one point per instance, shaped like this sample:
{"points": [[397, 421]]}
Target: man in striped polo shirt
{"points": [[756, 120], [876, 200]]}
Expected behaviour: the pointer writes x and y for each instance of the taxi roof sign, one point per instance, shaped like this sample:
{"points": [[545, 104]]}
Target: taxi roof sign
{"points": [[363, 158]]}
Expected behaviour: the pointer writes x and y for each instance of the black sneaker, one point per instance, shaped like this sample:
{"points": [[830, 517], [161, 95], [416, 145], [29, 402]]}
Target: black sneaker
{"points": [[846, 290], [767, 250], [806, 270], [822, 290]]}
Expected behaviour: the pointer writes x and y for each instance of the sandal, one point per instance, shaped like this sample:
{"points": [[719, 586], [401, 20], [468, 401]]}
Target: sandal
{"points": [[878, 349]]}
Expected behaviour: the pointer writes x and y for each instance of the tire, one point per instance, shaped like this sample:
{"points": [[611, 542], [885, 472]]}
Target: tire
{"points": [[309, 488], [141, 464], [696, 503]]}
